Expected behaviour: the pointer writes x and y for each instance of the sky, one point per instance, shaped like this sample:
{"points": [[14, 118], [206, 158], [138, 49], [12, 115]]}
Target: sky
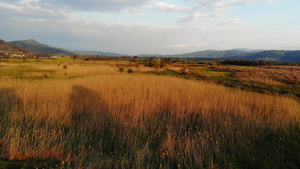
{"points": [[153, 26]]}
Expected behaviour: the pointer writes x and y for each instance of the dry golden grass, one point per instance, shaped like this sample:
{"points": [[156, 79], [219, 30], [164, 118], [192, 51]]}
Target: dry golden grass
{"points": [[122, 120]]}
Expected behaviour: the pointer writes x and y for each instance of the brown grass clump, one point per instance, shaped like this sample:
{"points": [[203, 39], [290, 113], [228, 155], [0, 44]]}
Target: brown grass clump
{"points": [[141, 121], [275, 75]]}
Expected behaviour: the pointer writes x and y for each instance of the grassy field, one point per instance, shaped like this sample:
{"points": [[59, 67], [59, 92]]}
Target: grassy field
{"points": [[279, 80], [82, 115]]}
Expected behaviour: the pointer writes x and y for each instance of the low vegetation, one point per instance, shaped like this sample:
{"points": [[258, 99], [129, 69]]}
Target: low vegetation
{"points": [[280, 80], [95, 116]]}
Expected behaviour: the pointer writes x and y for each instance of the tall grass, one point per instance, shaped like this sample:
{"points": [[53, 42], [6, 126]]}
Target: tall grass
{"points": [[145, 121]]}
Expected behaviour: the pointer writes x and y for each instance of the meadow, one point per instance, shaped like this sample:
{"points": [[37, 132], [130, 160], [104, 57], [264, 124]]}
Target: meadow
{"points": [[85, 115]]}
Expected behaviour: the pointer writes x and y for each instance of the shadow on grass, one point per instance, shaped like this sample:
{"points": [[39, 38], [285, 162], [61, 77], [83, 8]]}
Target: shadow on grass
{"points": [[8, 100], [93, 133]]}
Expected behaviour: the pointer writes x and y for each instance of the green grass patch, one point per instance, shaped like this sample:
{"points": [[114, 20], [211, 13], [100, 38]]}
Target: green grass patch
{"points": [[21, 70]]}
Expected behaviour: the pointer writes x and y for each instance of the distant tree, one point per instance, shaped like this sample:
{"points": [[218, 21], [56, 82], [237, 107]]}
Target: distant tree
{"points": [[157, 63], [7, 56], [74, 57], [218, 63], [262, 63], [162, 64], [86, 58], [134, 59], [125, 58], [151, 62]]}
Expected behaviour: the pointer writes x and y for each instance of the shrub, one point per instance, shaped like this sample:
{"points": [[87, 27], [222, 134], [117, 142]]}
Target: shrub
{"points": [[87, 59], [121, 69], [130, 70], [65, 66]]}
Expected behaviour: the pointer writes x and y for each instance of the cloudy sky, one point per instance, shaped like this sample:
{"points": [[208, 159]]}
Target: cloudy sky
{"points": [[153, 26]]}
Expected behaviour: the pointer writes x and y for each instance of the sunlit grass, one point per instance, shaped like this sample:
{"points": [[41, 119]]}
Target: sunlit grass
{"points": [[103, 118]]}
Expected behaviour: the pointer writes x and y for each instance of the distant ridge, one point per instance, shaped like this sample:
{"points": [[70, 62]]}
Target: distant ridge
{"points": [[205, 54], [238, 54], [98, 53], [10, 48], [31, 45], [34, 46], [273, 55]]}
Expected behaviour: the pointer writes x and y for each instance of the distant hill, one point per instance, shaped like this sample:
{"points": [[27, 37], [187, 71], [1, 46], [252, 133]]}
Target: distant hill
{"points": [[242, 54], [271, 55], [214, 54], [10, 48], [97, 53], [250, 50], [204, 54], [30, 45], [37, 47], [34, 46]]}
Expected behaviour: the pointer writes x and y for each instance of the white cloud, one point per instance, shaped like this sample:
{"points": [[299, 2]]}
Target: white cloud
{"points": [[167, 7]]}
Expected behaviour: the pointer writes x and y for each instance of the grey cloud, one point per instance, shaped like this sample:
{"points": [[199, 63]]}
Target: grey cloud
{"points": [[30, 10], [98, 5]]}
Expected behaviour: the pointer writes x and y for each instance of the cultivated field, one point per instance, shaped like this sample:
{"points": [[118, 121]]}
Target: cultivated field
{"points": [[67, 115]]}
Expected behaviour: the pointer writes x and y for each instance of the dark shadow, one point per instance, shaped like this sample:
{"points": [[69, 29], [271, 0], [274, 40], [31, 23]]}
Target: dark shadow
{"points": [[93, 129], [8, 101], [87, 108]]}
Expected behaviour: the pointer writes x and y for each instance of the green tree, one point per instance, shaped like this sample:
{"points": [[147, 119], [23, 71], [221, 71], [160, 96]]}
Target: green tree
{"points": [[155, 63], [134, 59]]}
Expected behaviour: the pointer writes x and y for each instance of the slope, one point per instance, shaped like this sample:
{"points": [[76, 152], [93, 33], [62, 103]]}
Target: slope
{"points": [[10, 48], [37, 47]]}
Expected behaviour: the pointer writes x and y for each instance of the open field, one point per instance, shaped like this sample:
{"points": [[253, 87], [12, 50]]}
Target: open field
{"points": [[280, 80], [84, 115]]}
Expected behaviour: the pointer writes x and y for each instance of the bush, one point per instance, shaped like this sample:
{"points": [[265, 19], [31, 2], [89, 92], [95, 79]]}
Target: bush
{"points": [[87, 59], [121, 69], [65, 66], [130, 70]]}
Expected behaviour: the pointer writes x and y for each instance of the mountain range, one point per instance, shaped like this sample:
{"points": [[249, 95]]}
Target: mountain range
{"points": [[238, 54], [31, 45], [34, 46]]}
